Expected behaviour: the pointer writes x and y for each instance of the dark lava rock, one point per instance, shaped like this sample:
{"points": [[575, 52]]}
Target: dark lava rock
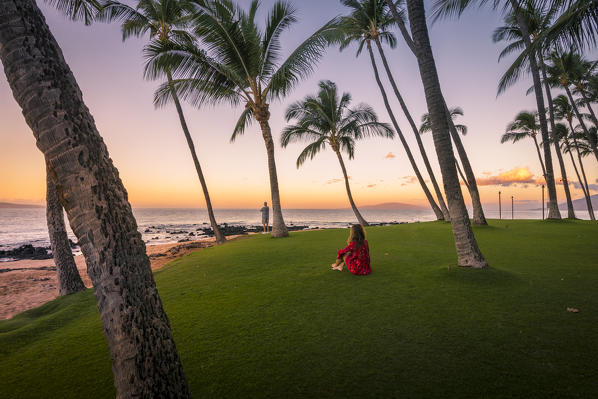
{"points": [[27, 251], [73, 244], [147, 231], [192, 234], [184, 240]]}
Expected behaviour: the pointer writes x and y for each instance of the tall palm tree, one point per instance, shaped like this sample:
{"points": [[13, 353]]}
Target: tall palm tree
{"points": [[581, 77], [372, 19], [563, 70], [164, 20], [518, 9], [95, 200], [327, 119], [563, 132], [69, 280], [538, 19], [468, 252], [470, 180], [369, 21], [525, 126], [241, 63]]}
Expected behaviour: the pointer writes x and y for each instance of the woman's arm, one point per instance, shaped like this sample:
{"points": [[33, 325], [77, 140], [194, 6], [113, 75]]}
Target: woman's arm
{"points": [[345, 250]]}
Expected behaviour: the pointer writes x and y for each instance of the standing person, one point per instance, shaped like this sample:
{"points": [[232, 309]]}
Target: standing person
{"points": [[356, 255], [265, 216]]}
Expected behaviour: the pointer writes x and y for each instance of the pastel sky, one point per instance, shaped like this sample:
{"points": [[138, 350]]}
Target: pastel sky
{"points": [[149, 149]]}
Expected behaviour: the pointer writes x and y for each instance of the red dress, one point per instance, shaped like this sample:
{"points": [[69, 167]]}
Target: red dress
{"points": [[358, 262]]}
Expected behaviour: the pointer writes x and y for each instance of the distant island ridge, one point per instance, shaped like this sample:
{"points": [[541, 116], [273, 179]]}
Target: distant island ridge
{"points": [[11, 205]]}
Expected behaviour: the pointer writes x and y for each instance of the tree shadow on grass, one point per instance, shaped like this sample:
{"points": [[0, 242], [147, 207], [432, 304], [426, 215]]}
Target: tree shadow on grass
{"points": [[490, 277]]}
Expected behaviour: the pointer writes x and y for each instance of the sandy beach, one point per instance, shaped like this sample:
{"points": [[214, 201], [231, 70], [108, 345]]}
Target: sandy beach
{"points": [[26, 284]]}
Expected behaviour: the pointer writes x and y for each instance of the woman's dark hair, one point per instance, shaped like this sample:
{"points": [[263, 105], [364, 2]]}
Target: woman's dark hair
{"points": [[357, 234]]}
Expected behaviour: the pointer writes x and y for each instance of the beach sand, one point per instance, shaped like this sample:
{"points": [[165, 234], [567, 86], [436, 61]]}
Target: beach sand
{"points": [[26, 284]]}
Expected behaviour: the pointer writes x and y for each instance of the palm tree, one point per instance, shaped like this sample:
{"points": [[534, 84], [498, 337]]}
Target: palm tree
{"points": [[164, 20], [518, 10], [478, 211], [426, 126], [563, 134], [327, 119], [95, 200], [369, 22], [468, 252], [563, 70], [537, 20], [524, 126], [69, 280], [241, 63], [580, 78]]}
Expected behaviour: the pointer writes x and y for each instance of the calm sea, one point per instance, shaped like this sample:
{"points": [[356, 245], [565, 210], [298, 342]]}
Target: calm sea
{"points": [[20, 226]]}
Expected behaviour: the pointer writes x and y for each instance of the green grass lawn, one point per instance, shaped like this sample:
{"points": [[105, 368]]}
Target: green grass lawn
{"points": [[263, 317]]}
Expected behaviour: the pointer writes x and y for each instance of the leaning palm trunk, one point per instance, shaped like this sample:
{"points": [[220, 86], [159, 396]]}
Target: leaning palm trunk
{"points": [[420, 179], [145, 361], [539, 155], [468, 253], [69, 280], [217, 233], [589, 107], [476, 202], [557, 148], [279, 229], [585, 180], [360, 218], [583, 187], [581, 122], [420, 144], [553, 206]]}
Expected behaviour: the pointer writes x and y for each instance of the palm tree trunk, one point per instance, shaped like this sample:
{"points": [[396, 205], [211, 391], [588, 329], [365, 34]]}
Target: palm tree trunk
{"points": [[583, 188], [557, 148], [461, 174], [553, 206], [539, 156], [478, 212], [587, 101], [220, 238], [420, 179], [279, 229], [353, 206], [468, 252], [418, 138], [145, 361], [585, 180], [581, 122], [69, 280]]}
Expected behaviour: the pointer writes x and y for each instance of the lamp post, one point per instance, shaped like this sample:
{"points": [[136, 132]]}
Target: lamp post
{"points": [[499, 207], [512, 208]]}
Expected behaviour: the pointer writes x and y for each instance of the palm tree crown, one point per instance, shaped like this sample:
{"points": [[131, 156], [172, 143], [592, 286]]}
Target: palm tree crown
{"points": [[426, 125], [327, 119], [525, 125]]}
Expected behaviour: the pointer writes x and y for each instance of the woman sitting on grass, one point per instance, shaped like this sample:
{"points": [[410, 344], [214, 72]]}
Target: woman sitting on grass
{"points": [[356, 255]]}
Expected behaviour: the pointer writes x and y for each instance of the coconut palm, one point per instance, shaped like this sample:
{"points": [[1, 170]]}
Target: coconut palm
{"points": [[163, 20], [326, 119], [563, 70], [580, 78], [369, 21], [95, 200], [565, 136], [520, 13], [470, 181], [69, 280], [370, 18], [468, 252], [241, 63], [538, 19], [525, 126]]}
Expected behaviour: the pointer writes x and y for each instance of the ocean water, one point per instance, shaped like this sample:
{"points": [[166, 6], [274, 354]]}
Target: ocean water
{"points": [[19, 226]]}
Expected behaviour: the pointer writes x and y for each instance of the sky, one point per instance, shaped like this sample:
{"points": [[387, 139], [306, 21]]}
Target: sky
{"points": [[150, 151]]}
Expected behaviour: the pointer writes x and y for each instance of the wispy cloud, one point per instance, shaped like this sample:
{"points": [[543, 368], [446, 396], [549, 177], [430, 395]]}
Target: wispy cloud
{"points": [[593, 187], [371, 185], [409, 179], [332, 181], [390, 155]]}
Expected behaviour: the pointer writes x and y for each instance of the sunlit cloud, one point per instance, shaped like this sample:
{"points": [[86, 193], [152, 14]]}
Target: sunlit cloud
{"points": [[371, 185], [333, 181], [409, 179], [516, 175], [390, 155]]}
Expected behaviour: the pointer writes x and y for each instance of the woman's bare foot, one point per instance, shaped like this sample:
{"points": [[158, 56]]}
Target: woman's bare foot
{"points": [[337, 267]]}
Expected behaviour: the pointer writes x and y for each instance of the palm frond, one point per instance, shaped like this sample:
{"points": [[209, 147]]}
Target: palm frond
{"points": [[244, 121], [78, 10]]}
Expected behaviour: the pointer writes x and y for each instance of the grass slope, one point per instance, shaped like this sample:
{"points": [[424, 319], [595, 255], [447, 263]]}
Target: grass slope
{"points": [[267, 318]]}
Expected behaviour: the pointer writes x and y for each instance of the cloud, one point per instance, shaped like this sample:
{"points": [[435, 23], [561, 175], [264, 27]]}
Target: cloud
{"points": [[513, 176], [593, 187], [371, 185], [332, 181], [409, 179], [390, 155]]}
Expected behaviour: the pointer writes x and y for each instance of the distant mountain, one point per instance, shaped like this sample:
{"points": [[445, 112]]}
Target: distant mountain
{"points": [[10, 205], [580, 204], [393, 206]]}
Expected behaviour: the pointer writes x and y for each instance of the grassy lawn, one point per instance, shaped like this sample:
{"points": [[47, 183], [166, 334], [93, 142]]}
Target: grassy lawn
{"points": [[267, 318]]}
